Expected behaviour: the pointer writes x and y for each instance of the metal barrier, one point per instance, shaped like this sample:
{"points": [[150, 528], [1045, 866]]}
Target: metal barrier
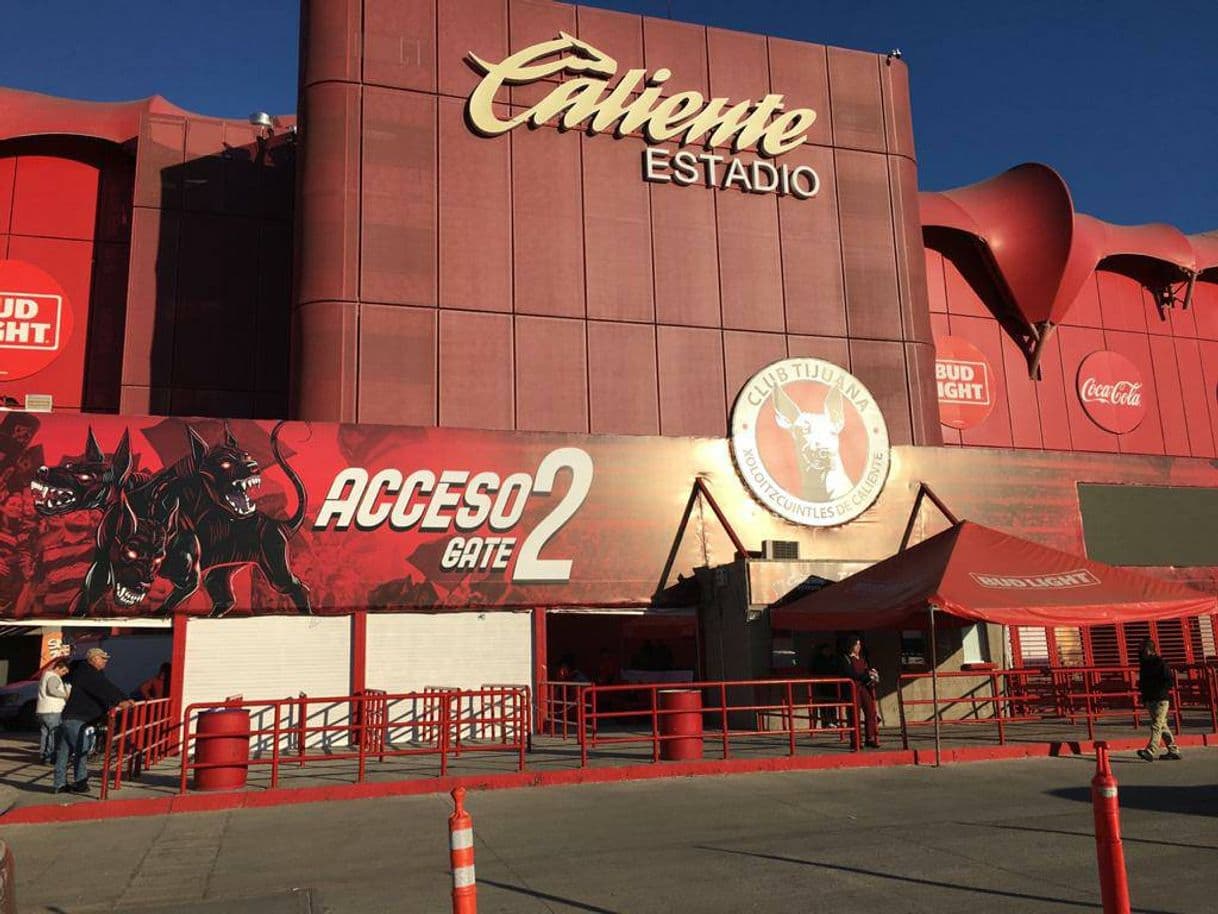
{"points": [[1008, 700], [377, 726], [792, 701], [138, 736], [558, 705]]}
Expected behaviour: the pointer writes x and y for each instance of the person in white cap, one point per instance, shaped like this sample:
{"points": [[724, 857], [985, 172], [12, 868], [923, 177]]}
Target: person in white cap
{"points": [[93, 695]]}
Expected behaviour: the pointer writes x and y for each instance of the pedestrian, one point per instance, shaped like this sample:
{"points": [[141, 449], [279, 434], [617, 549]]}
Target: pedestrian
{"points": [[155, 687], [92, 696], [1155, 684], [52, 693], [853, 665], [825, 667]]}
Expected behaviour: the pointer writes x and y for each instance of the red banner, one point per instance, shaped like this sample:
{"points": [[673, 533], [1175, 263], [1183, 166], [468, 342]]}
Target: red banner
{"points": [[122, 516]]}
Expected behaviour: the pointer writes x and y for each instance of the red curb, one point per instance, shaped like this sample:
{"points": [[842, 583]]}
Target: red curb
{"points": [[214, 802]]}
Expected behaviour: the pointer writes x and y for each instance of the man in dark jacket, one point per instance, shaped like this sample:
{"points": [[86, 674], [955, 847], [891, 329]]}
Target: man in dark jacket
{"points": [[93, 695], [1155, 684]]}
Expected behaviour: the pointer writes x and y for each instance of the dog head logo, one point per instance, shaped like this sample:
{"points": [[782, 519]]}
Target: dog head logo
{"points": [[817, 437], [810, 442]]}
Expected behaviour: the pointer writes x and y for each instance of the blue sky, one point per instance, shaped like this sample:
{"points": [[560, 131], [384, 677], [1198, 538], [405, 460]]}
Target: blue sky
{"points": [[1119, 96]]}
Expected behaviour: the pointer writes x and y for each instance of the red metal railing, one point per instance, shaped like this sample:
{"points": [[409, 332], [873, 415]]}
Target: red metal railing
{"points": [[308, 730], [792, 703], [138, 736], [558, 707]]}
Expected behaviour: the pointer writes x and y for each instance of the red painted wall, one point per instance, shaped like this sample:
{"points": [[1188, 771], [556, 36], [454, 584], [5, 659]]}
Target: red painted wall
{"points": [[1176, 351], [535, 281]]}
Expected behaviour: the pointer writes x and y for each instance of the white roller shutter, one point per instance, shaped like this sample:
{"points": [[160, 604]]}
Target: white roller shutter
{"points": [[409, 651], [269, 657]]}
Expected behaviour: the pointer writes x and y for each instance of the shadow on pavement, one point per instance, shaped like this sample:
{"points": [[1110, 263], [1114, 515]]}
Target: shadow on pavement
{"points": [[1193, 801], [543, 896], [1089, 836], [1094, 905]]}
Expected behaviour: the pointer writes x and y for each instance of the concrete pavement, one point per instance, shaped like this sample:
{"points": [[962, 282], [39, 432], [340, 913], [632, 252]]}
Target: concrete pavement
{"points": [[985, 837]]}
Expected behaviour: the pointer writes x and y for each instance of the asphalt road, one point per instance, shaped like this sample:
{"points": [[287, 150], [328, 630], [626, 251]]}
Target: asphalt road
{"points": [[992, 837]]}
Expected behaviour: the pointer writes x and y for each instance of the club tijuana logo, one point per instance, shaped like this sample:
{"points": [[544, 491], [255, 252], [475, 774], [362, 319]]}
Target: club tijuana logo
{"points": [[810, 442], [35, 320], [1066, 579], [1110, 388], [964, 381]]}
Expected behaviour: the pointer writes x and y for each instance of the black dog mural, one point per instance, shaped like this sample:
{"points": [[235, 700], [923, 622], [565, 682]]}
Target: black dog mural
{"points": [[192, 523]]}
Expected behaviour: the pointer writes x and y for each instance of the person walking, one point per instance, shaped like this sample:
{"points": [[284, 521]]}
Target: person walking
{"points": [[854, 666], [52, 694], [92, 696], [1155, 684]]}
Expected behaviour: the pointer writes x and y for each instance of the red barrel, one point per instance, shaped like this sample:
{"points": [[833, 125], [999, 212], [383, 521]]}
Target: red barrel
{"points": [[222, 749], [680, 724]]}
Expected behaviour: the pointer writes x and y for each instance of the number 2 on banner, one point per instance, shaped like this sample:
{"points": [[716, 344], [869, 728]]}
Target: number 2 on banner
{"points": [[530, 569]]}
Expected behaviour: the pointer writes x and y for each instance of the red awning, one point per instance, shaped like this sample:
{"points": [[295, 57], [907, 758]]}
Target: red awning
{"points": [[978, 574]]}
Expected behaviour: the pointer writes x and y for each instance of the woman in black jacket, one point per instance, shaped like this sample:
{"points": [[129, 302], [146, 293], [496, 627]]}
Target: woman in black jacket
{"points": [[1155, 683], [853, 665]]}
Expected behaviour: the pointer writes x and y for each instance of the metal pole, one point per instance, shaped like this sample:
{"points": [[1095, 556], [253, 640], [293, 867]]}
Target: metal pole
{"points": [[934, 680]]}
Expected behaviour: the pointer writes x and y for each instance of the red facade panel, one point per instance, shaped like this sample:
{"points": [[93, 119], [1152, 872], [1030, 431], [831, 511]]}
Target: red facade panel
{"points": [[617, 232], [1178, 320], [400, 44], [867, 243], [397, 370], [881, 366], [986, 335], [54, 198], [1147, 438], [739, 65], [1209, 368], [691, 382], [750, 263], [531, 22], [800, 73], [898, 117], [1169, 395], [618, 35], [812, 252], [476, 370], [327, 242], [475, 190], [1052, 392], [547, 228], [686, 256], [911, 265], [744, 354], [398, 215], [936, 284], [962, 298], [331, 33], [679, 47], [326, 336], [272, 369], [159, 174], [1121, 301], [923, 396], [858, 110], [1197, 396], [1022, 397], [1076, 344], [1086, 311], [1205, 309], [8, 173], [204, 169], [480, 26], [551, 375], [71, 264], [830, 348], [151, 294], [622, 385]]}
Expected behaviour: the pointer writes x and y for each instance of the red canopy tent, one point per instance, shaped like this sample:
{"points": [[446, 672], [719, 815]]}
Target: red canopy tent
{"points": [[972, 573], [977, 574]]}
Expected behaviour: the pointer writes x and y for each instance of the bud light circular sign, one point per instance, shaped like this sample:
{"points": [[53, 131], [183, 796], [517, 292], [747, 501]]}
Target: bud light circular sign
{"points": [[965, 382], [35, 320], [1111, 391], [810, 442]]}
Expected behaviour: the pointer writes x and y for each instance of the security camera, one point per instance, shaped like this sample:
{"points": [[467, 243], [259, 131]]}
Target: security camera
{"points": [[894, 54], [263, 120]]}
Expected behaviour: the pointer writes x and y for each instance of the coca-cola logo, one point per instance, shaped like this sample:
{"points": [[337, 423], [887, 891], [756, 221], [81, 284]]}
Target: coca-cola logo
{"points": [[1110, 389]]}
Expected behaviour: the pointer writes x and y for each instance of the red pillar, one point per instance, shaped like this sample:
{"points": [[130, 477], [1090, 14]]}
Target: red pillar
{"points": [[177, 673], [359, 651], [539, 667]]}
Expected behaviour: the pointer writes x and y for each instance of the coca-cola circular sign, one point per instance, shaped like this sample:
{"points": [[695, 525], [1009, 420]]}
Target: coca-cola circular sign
{"points": [[1111, 390]]}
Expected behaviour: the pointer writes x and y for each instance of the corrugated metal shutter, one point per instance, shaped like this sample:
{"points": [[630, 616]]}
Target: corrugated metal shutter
{"points": [[1033, 647], [269, 657], [1202, 631], [408, 652], [1172, 637]]}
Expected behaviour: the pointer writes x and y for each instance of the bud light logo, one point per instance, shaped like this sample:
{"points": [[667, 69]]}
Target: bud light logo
{"points": [[1110, 387], [965, 383], [35, 320]]}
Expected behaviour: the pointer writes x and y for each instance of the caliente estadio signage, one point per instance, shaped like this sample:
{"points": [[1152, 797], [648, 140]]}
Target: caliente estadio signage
{"points": [[636, 104], [35, 320], [1110, 388], [810, 442]]}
